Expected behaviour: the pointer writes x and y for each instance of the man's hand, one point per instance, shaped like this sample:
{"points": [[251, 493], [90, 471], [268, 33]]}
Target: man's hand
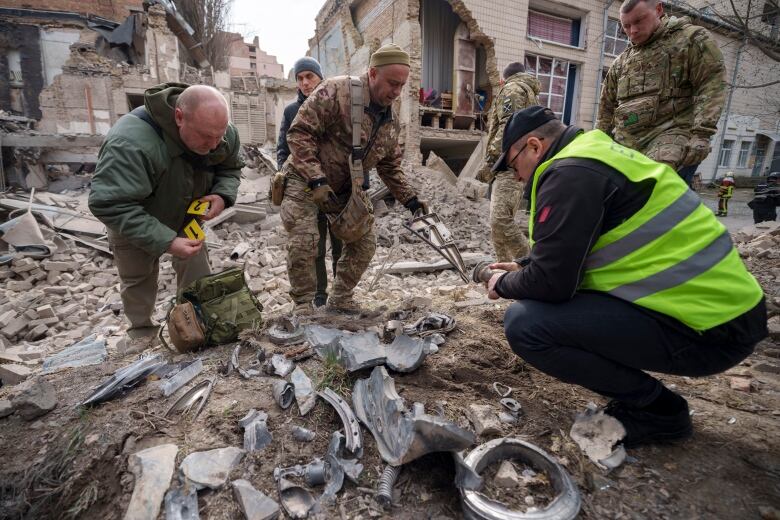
{"points": [[216, 206], [698, 150], [184, 247], [499, 266], [325, 198], [414, 205], [491, 286], [484, 174]]}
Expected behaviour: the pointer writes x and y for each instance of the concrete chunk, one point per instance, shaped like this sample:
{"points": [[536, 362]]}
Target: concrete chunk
{"points": [[12, 374], [6, 408], [45, 311], [254, 504], [16, 326], [484, 419], [6, 318], [211, 468], [153, 469], [35, 401]]}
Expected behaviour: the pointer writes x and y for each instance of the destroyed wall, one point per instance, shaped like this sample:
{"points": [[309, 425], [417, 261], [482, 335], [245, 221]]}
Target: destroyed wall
{"points": [[20, 55], [92, 92], [115, 10]]}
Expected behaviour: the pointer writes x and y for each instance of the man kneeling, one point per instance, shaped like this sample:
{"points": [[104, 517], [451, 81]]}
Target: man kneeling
{"points": [[628, 272]]}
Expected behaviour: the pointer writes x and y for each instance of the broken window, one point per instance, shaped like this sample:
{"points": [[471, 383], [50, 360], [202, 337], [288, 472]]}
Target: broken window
{"points": [[248, 115], [724, 158], [556, 78], [615, 40], [553, 28], [14, 68], [744, 153]]}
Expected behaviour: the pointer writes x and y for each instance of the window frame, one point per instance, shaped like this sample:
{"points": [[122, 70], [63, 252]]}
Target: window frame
{"points": [[546, 96], [743, 154], [724, 155], [615, 38], [571, 20]]}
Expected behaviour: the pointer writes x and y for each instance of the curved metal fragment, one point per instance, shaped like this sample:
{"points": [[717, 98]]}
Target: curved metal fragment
{"points": [[406, 354], [286, 331], [354, 439], [296, 501], [256, 434], [284, 393], [477, 506], [124, 378], [402, 436], [197, 394]]}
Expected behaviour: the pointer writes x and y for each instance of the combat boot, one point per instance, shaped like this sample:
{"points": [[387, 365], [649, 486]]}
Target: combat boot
{"points": [[643, 427], [128, 345], [303, 309], [346, 305]]}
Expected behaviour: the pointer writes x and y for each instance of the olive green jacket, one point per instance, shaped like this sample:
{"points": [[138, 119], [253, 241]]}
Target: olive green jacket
{"points": [[143, 183]]}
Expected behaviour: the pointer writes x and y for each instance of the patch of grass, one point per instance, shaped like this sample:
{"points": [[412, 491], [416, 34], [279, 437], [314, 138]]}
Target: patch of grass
{"points": [[334, 376]]}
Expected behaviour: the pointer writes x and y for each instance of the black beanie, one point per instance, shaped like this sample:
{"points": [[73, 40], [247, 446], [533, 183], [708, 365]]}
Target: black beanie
{"points": [[307, 63]]}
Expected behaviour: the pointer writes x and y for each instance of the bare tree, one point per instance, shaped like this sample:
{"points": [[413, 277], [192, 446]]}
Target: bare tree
{"points": [[209, 19]]}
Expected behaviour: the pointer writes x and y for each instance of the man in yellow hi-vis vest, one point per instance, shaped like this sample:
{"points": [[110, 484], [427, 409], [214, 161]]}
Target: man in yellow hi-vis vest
{"points": [[628, 272]]}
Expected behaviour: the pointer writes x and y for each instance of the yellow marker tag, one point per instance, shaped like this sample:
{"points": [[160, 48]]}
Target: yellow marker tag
{"points": [[194, 231], [199, 207]]}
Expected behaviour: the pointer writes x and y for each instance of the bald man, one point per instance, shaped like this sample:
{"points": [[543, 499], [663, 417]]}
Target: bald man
{"points": [[154, 162]]}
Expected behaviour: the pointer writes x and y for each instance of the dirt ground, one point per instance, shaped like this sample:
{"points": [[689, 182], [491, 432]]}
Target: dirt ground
{"points": [[72, 463]]}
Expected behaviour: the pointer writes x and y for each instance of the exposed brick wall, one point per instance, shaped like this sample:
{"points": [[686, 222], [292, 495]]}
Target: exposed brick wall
{"points": [[25, 39], [116, 10]]}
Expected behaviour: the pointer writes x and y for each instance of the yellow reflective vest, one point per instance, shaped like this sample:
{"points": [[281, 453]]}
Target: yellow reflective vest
{"points": [[672, 256]]}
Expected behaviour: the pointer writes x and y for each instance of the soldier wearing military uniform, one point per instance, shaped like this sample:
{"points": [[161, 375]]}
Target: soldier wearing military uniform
{"points": [[519, 90], [664, 94], [321, 173]]}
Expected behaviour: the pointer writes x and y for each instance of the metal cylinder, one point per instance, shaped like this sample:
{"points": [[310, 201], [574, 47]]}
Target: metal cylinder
{"points": [[384, 491], [482, 272]]}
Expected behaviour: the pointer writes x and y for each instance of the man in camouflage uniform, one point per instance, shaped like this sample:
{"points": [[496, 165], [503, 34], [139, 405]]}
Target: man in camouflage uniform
{"points": [[518, 91], [318, 172], [664, 94]]}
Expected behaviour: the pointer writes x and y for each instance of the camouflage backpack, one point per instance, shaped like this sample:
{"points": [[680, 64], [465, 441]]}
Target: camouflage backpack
{"points": [[224, 305]]}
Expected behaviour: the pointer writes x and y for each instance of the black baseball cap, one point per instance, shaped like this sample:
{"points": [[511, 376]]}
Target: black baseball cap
{"points": [[521, 122]]}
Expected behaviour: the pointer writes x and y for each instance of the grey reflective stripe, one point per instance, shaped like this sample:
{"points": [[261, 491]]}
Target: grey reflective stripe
{"points": [[679, 273], [654, 228]]}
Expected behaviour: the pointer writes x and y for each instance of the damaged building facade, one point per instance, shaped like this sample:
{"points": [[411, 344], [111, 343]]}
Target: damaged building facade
{"points": [[76, 68], [458, 49]]}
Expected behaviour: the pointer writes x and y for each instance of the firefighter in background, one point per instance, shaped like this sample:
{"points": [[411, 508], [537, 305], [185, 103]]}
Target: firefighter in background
{"points": [[766, 198], [725, 192]]}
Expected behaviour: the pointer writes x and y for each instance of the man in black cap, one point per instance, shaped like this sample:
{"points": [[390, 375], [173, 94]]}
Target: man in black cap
{"points": [[308, 74], [627, 272]]}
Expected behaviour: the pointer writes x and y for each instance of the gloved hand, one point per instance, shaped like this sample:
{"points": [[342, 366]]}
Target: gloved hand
{"points": [[325, 198], [414, 204], [698, 150]]}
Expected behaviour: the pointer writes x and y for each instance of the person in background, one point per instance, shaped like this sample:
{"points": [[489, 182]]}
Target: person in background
{"points": [[725, 192]]}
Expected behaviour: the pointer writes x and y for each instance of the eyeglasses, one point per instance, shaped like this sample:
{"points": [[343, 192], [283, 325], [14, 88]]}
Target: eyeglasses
{"points": [[509, 163]]}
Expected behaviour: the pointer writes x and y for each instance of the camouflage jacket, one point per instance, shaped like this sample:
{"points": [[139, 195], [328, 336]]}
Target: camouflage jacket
{"points": [[671, 85], [519, 91], [320, 140]]}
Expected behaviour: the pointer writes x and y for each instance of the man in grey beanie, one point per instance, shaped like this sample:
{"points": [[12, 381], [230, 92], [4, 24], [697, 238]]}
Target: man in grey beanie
{"points": [[308, 74]]}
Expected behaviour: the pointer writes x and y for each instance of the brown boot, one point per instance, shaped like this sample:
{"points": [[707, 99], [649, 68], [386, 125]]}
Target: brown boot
{"points": [[127, 345], [344, 305]]}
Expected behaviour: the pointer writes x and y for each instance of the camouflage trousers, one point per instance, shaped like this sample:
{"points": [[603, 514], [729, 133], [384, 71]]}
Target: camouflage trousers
{"points": [[505, 196], [299, 217]]}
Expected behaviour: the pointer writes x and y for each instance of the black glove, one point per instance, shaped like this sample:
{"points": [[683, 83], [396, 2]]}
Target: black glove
{"points": [[414, 204]]}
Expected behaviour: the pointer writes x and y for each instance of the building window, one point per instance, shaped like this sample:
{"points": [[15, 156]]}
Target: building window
{"points": [[553, 75], [771, 12], [724, 159], [15, 68], [744, 153], [554, 28], [615, 40]]}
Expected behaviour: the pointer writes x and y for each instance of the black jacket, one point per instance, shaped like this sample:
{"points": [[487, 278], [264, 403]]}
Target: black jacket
{"points": [[290, 111], [577, 201]]}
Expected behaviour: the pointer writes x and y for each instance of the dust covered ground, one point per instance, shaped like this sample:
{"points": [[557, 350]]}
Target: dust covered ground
{"points": [[73, 462]]}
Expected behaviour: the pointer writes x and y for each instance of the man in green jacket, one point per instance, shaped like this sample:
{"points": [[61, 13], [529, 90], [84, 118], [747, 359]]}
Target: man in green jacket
{"points": [[179, 147]]}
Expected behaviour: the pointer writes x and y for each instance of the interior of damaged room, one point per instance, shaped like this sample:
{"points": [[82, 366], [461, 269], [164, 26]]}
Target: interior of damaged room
{"points": [[233, 398]]}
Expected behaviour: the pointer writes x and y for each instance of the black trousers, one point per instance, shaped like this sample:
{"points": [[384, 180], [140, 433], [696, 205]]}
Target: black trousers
{"points": [[605, 345], [335, 249]]}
